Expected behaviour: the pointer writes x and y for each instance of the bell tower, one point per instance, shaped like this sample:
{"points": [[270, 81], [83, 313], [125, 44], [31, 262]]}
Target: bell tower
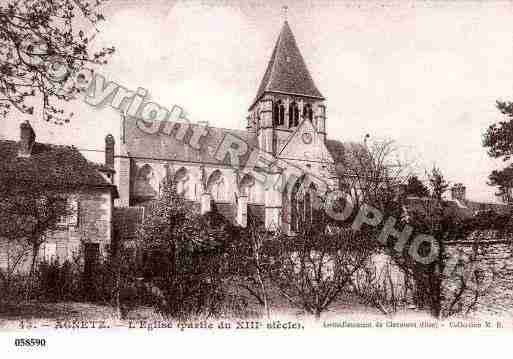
{"points": [[286, 97]]}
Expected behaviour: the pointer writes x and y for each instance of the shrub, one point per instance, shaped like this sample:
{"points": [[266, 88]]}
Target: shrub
{"points": [[58, 282]]}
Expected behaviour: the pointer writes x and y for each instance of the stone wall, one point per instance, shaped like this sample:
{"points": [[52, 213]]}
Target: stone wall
{"points": [[492, 255]]}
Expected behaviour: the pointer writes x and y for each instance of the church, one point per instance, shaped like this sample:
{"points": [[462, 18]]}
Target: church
{"points": [[286, 123]]}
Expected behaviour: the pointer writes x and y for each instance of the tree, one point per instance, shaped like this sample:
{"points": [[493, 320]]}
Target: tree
{"points": [[375, 175], [28, 213], [249, 262], [185, 256], [415, 187], [42, 44], [498, 138], [312, 269], [446, 284]]}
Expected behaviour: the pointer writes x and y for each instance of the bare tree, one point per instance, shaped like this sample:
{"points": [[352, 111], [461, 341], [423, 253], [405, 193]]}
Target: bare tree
{"points": [[465, 283], [250, 263], [378, 284], [375, 175], [312, 269]]}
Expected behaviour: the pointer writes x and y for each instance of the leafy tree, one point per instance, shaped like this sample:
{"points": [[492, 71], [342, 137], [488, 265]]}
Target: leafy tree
{"points": [[185, 256], [42, 44], [498, 138], [415, 187]]}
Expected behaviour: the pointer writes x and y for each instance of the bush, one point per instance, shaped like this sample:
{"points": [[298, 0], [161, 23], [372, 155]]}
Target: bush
{"points": [[58, 282], [184, 265]]}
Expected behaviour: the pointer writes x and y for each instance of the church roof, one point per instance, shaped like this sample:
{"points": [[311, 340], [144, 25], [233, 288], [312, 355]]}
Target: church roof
{"points": [[168, 147], [287, 71]]}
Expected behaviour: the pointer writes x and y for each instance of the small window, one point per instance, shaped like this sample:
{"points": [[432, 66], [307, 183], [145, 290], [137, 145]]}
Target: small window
{"points": [[71, 217], [73, 212], [62, 220]]}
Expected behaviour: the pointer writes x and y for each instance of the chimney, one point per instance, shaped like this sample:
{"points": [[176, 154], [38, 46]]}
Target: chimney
{"points": [[458, 192], [109, 151], [27, 139]]}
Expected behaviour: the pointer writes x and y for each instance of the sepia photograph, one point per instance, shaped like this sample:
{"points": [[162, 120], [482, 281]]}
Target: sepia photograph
{"points": [[204, 169]]}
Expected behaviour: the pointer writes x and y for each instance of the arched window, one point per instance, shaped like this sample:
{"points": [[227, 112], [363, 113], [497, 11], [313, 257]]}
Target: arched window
{"points": [[282, 115], [285, 213], [180, 182], [217, 187], [301, 205], [308, 112], [293, 209], [146, 185], [293, 114], [278, 114], [309, 204]]}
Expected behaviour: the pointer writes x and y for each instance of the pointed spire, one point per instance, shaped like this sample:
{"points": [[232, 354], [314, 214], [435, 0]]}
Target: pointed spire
{"points": [[287, 72]]}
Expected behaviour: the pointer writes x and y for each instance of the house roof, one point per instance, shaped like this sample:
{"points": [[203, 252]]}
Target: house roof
{"points": [[425, 205], [499, 208], [49, 165], [287, 71], [460, 209]]}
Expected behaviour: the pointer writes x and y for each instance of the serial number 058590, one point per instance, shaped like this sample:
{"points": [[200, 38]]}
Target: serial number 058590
{"points": [[29, 342]]}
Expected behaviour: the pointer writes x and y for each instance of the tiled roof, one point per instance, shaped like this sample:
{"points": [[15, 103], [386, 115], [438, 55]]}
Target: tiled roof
{"points": [[287, 71], [163, 146], [461, 209], [49, 165], [499, 208], [424, 205], [167, 147]]}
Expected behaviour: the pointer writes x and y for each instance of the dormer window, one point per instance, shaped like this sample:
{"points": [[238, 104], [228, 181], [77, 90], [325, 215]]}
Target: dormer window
{"points": [[293, 114]]}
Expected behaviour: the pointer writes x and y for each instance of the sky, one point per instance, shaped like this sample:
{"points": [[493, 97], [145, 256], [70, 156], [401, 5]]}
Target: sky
{"points": [[426, 74]]}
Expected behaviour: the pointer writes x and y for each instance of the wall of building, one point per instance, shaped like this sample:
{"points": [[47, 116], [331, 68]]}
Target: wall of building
{"points": [[221, 182], [93, 224]]}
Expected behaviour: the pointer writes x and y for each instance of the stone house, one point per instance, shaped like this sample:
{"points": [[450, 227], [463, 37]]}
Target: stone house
{"points": [[86, 187]]}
